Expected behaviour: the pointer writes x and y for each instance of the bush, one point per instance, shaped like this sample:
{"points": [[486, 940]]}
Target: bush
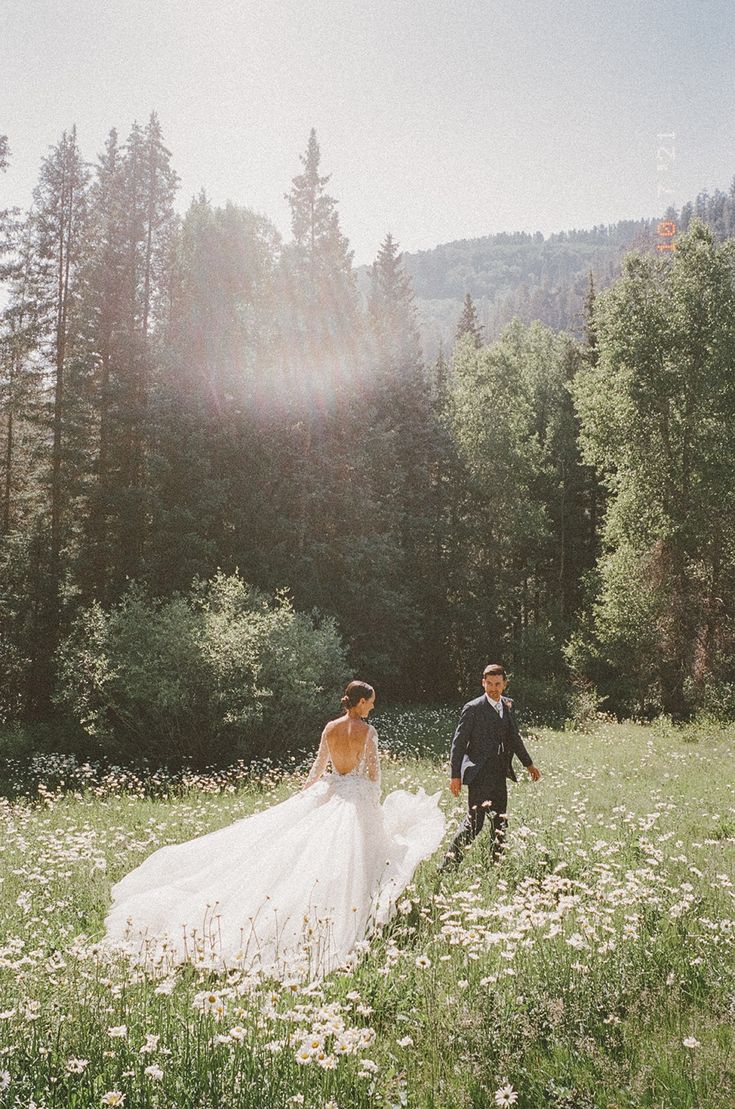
{"points": [[219, 674], [584, 708], [717, 701]]}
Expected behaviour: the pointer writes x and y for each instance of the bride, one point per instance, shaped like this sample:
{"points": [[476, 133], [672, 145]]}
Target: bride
{"points": [[292, 890]]}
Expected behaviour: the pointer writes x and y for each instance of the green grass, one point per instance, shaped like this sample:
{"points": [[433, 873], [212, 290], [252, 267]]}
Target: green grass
{"points": [[575, 971]]}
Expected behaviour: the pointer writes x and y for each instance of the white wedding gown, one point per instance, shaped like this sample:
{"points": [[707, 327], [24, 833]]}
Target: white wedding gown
{"points": [[292, 890]]}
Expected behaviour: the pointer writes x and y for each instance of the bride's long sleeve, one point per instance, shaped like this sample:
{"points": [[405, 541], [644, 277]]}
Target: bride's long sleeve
{"points": [[320, 762], [372, 758]]}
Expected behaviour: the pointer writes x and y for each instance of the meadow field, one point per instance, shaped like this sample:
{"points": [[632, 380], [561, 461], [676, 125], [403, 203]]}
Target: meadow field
{"points": [[592, 968]]}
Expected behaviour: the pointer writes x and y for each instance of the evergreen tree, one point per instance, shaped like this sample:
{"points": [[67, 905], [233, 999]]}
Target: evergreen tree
{"points": [[106, 294], [22, 397], [24, 452], [58, 228], [468, 323], [136, 227], [394, 330], [213, 501], [590, 327], [406, 455], [549, 363], [318, 364], [5, 214], [321, 326], [594, 495], [441, 376], [60, 217]]}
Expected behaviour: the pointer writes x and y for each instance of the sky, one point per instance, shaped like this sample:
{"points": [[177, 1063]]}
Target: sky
{"points": [[437, 119]]}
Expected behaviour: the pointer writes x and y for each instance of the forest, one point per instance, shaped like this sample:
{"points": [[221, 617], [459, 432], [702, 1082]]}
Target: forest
{"points": [[231, 475], [529, 277]]}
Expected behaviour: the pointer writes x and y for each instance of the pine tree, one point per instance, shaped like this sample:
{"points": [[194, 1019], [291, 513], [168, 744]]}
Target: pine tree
{"points": [[60, 218], [58, 227], [210, 498], [105, 293], [22, 399], [322, 322], [594, 494], [446, 497], [590, 325], [405, 454], [136, 230], [441, 377], [395, 333], [23, 506], [5, 214], [468, 323], [319, 356], [321, 249]]}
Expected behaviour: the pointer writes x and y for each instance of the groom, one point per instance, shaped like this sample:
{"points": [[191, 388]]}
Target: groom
{"points": [[484, 743]]}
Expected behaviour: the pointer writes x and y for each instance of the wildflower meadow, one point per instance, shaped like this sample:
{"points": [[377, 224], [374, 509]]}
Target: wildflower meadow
{"points": [[593, 967]]}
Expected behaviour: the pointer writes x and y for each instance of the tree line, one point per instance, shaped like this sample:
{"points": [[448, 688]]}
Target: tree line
{"points": [[531, 277], [184, 396]]}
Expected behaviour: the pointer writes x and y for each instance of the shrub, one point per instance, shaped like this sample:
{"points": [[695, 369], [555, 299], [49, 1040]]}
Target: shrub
{"points": [[220, 673], [584, 708], [717, 701]]}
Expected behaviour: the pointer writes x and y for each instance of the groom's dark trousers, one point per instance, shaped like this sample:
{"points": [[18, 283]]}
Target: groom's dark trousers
{"points": [[487, 797], [482, 751]]}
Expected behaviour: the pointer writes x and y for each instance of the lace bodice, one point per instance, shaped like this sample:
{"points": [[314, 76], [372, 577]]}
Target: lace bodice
{"points": [[367, 766]]}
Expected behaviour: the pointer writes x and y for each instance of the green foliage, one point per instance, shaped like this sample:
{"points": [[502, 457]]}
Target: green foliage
{"points": [[468, 323], [219, 399], [615, 643], [584, 708], [521, 527], [538, 680], [657, 418], [222, 671], [531, 277], [718, 701]]}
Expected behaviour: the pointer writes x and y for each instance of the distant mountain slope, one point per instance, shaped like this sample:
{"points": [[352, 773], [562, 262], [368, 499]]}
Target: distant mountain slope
{"points": [[533, 277]]}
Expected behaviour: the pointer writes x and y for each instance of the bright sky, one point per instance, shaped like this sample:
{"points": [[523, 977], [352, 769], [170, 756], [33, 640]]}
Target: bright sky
{"points": [[438, 119]]}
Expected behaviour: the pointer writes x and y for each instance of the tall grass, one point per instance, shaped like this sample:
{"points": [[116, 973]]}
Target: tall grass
{"points": [[593, 967]]}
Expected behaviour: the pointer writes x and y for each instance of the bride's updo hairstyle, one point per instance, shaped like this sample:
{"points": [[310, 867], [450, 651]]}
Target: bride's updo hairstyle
{"points": [[355, 692]]}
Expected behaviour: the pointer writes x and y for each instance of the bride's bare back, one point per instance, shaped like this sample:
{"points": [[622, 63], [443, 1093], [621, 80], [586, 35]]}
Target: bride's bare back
{"points": [[346, 737], [351, 745]]}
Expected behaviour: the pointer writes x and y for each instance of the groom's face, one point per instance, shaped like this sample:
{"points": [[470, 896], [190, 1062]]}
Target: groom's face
{"points": [[494, 685]]}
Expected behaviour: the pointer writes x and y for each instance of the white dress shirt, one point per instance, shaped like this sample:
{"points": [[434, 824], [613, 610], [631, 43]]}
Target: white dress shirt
{"points": [[497, 705]]}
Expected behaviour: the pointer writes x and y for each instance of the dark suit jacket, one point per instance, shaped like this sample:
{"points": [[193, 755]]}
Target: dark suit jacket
{"points": [[481, 736]]}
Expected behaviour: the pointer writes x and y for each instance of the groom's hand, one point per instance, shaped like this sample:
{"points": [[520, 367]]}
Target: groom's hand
{"points": [[534, 772], [455, 784]]}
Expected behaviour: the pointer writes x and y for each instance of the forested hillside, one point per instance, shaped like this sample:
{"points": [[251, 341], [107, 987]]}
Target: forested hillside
{"points": [[218, 459], [530, 277]]}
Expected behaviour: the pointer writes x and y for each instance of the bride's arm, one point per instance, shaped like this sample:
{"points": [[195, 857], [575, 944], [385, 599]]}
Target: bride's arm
{"points": [[320, 762], [372, 759]]}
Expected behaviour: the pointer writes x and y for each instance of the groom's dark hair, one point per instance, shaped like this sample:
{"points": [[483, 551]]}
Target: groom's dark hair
{"points": [[494, 668]]}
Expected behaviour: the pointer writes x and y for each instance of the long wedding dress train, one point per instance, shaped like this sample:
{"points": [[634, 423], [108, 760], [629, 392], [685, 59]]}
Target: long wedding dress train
{"points": [[291, 890]]}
